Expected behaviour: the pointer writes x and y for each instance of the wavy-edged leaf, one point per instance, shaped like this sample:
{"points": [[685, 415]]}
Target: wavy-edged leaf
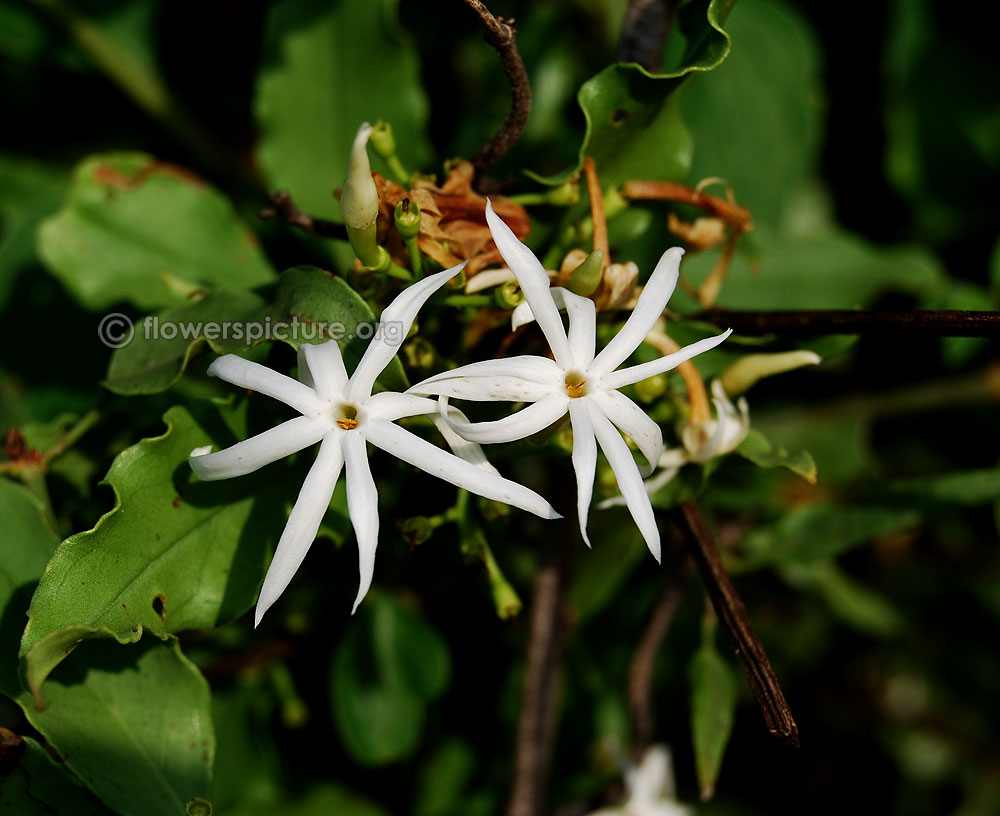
{"points": [[132, 722], [173, 554], [328, 67], [633, 123], [763, 453], [713, 703], [139, 230]]}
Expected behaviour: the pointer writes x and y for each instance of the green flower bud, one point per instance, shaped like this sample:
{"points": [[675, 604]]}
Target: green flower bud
{"points": [[417, 530], [407, 215], [508, 295], [359, 197], [746, 371], [585, 279], [382, 140], [565, 195], [652, 388]]}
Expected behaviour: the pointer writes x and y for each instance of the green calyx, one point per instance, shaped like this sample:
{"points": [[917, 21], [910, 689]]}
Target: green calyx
{"points": [[585, 279]]}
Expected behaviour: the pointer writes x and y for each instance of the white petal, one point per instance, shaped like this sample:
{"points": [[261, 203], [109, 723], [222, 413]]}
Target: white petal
{"points": [[304, 374], [520, 425], [362, 504], [392, 330], [260, 378], [513, 379], [584, 461], [326, 369], [647, 311], [463, 448], [582, 328], [634, 423], [253, 453], [534, 282], [391, 405], [522, 312], [430, 458], [629, 480], [303, 522], [633, 374], [487, 278]]}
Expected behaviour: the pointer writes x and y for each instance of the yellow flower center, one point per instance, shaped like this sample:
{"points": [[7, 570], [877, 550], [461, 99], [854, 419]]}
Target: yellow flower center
{"points": [[349, 417], [576, 385]]}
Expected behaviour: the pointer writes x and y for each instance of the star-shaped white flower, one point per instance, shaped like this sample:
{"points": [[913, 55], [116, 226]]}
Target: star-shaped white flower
{"points": [[577, 381], [343, 415], [650, 787]]}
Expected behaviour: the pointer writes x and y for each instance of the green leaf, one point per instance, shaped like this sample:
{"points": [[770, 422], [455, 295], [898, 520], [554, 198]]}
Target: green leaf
{"points": [[310, 305], [328, 67], [26, 545], [389, 665], [852, 602], [139, 230], [763, 453], [133, 722], [713, 703], [600, 572], [634, 128], [38, 786], [173, 554], [969, 488], [323, 800]]}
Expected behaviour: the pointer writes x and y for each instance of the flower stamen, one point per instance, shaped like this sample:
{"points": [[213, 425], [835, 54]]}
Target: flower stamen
{"points": [[349, 417], [576, 385]]}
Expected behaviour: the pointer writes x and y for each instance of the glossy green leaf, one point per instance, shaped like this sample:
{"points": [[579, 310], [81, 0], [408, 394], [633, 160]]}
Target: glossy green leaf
{"points": [[328, 67], [133, 722], [323, 800], [173, 554], [38, 786], [138, 230], [634, 128], [390, 664], [26, 544], [713, 703], [763, 453]]}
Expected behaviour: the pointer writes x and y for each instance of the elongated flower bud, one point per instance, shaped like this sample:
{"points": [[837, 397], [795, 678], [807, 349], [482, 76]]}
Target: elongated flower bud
{"points": [[359, 197], [746, 371]]}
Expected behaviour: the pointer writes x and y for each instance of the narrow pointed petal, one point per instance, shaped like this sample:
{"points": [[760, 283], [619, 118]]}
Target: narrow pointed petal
{"points": [[304, 374], [362, 504], [522, 313], [260, 378], [652, 301], [253, 453], [461, 447], [392, 330], [629, 480], [534, 282], [391, 405], [513, 379], [582, 328], [303, 522], [488, 278], [628, 376], [422, 454], [326, 368], [584, 461], [524, 423], [633, 422]]}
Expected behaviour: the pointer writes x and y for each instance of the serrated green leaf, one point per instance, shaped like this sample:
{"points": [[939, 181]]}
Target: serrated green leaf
{"points": [[328, 67], [713, 703], [132, 722], [26, 545], [173, 554], [38, 786], [634, 128], [388, 666], [760, 450], [139, 230]]}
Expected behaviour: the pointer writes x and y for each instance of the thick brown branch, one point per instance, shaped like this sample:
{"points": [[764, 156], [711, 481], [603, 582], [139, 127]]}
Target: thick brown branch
{"points": [[284, 209], [946, 323], [640, 673], [536, 724], [736, 622], [502, 35]]}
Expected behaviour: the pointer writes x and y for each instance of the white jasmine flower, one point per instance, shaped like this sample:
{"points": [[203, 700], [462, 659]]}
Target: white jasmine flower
{"points": [[702, 441], [577, 381], [343, 415], [650, 789]]}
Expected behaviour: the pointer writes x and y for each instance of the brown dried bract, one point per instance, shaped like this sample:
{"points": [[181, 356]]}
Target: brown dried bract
{"points": [[452, 220]]}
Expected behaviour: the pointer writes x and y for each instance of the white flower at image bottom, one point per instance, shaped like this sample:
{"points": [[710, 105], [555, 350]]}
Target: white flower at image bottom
{"points": [[343, 415], [650, 788], [578, 381]]}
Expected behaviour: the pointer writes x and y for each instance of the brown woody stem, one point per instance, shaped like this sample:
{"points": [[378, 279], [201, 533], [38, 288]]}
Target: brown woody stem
{"points": [[945, 323]]}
